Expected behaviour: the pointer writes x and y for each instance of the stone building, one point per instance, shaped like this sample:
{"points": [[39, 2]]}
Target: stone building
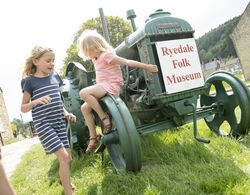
{"points": [[241, 40], [5, 125]]}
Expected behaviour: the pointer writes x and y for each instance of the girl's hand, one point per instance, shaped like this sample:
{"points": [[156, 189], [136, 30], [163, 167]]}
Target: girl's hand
{"points": [[42, 100], [71, 117], [152, 68]]}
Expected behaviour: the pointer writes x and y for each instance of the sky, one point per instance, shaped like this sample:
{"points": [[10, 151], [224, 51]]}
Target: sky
{"points": [[53, 23]]}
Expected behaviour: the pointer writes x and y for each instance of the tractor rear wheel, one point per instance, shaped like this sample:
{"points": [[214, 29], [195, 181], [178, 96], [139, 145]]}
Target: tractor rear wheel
{"points": [[231, 98]]}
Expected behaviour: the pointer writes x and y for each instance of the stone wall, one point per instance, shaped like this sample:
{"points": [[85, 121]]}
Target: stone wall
{"points": [[241, 41], [5, 124]]}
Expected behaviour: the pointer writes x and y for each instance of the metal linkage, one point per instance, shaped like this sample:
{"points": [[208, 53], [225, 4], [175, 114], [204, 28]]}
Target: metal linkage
{"points": [[200, 139]]}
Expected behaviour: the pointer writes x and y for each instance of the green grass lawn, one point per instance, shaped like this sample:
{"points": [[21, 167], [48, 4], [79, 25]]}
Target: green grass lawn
{"points": [[173, 163]]}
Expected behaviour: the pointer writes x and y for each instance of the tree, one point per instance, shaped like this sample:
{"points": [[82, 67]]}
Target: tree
{"points": [[19, 125], [217, 43], [14, 129], [117, 27]]}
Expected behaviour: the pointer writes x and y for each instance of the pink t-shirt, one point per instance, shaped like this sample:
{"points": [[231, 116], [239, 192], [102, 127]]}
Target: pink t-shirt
{"points": [[108, 75]]}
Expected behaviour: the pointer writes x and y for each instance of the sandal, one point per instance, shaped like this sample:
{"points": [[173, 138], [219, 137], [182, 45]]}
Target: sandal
{"points": [[93, 141], [106, 128]]}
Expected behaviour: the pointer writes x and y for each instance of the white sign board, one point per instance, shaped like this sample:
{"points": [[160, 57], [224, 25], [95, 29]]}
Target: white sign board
{"points": [[180, 65]]}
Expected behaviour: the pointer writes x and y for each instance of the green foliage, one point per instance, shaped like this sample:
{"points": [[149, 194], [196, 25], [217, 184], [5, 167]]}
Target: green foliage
{"points": [[173, 163], [17, 126], [217, 42], [14, 129], [117, 27]]}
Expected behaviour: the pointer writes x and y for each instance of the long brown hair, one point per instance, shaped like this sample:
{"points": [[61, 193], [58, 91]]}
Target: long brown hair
{"points": [[36, 53]]}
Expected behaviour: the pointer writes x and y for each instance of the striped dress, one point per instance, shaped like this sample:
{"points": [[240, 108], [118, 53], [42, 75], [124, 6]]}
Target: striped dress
{"points": [[49, 120]]}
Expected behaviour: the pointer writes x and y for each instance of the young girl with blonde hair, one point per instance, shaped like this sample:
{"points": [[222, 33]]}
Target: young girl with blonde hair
{"points": [[40, 86], [109, 79]]}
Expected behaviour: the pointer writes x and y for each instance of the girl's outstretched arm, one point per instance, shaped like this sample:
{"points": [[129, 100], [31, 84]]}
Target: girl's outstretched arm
{"points": [[132, 63]]}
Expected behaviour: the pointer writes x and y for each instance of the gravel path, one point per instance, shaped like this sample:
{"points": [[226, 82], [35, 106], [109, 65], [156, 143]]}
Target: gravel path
{"points": [[12, 153]]}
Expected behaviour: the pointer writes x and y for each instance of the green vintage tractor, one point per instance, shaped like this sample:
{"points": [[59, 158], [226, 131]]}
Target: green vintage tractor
{"points": [[178, 94]]}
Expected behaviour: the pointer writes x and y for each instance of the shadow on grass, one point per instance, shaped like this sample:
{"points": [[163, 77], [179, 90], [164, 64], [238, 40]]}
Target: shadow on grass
{"points": [[177, 168], [53, 174]]}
